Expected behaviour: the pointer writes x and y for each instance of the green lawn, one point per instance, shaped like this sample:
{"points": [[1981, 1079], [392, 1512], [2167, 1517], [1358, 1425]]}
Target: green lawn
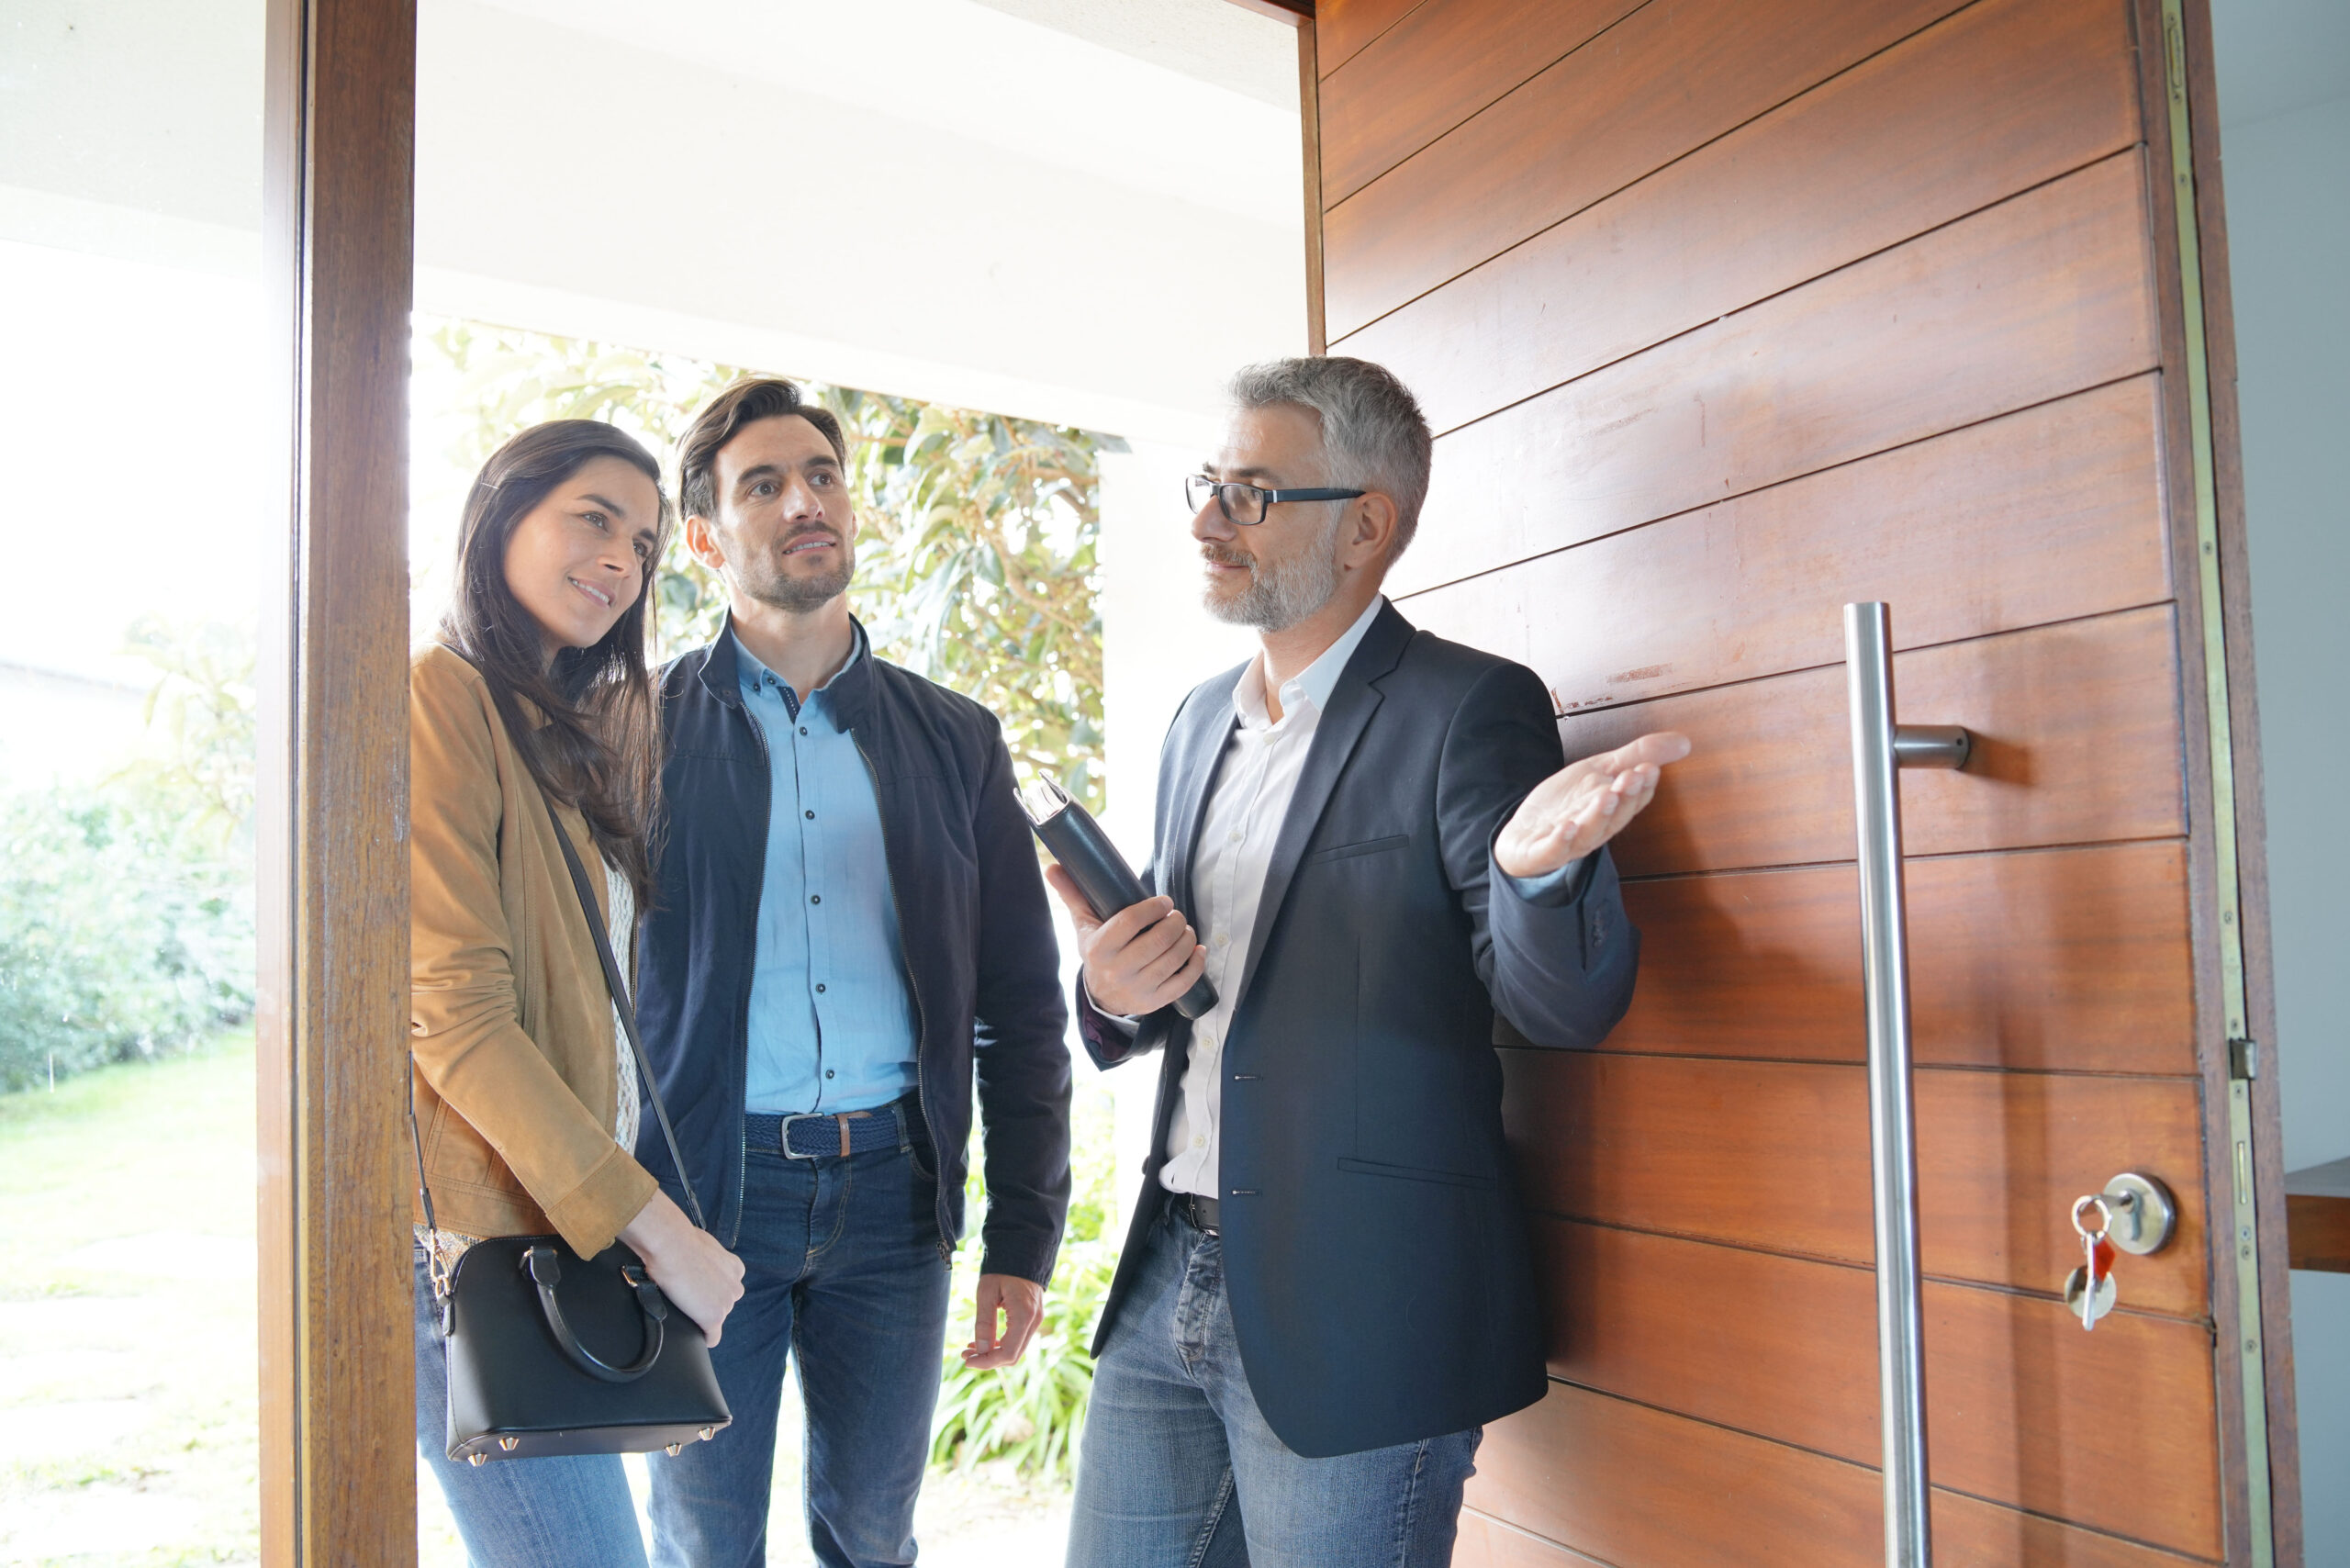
{"points": [[127, 1346]]}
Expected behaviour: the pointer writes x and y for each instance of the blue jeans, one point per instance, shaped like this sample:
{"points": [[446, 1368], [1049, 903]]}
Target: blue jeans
{"points": [[841, 1274], [573, 1512], [1180, 1471]]}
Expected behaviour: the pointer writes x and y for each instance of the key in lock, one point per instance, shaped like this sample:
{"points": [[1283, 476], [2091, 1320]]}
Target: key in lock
{"points": [[2089, 1290]]}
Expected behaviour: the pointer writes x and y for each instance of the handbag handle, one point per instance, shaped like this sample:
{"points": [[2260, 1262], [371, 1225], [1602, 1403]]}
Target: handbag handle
{"points": [[623, 1004], [546, 1267]]}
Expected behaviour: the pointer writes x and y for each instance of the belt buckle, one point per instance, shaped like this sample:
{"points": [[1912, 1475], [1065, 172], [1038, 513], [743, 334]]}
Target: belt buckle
{"points": [[783, 1133], [839, 1118]]}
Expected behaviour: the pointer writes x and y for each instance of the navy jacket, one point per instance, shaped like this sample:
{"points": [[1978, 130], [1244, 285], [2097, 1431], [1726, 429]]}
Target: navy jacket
{"points": [[978, 944], [1374, 1251]]}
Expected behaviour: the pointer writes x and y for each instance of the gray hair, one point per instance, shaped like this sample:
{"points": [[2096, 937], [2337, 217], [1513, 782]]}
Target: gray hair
{"points": [[1372, 430]]}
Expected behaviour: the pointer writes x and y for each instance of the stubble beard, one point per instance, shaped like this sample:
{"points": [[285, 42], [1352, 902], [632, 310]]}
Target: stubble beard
{"points": [[1280, 595], [774, 586]]}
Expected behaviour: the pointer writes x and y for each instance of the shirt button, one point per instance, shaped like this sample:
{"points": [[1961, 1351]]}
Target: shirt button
{"points": [[828, 1072], [803, 729], [1200, 1142], [1222, 940], [819, 988], [1235, 835], [811, 816], [815, 897]]}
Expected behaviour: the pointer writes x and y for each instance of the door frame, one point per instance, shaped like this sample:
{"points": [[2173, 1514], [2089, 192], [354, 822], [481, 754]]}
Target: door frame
{"points": [[2228, 881], [337, 1456]]}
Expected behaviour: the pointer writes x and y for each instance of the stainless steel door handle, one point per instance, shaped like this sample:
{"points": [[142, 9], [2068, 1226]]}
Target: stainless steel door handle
{"points": [[1880, 749]]}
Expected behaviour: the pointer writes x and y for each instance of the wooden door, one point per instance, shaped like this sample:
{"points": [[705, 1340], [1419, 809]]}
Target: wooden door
{"points": [[1728, 312]]}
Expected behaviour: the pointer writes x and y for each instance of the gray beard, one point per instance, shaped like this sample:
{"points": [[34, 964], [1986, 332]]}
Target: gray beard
{"points": [[1278, 596], [799, 595]]}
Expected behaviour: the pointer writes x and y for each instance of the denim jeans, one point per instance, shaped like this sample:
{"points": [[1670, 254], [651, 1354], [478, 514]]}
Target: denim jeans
{"points": [[573, 1512], [1180, 1471], [841, 1275]]}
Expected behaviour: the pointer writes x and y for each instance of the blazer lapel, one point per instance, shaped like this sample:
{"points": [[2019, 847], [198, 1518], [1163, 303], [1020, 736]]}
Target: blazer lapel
{"points": [[1352, 703], [1200, 740]]}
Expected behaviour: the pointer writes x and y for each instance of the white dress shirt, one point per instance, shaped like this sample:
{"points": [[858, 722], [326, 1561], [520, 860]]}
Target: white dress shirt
{"points": [[1245, 811]]}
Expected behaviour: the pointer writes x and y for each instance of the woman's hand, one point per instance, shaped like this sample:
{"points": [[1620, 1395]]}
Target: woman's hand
{"points": [[700, 1277]]}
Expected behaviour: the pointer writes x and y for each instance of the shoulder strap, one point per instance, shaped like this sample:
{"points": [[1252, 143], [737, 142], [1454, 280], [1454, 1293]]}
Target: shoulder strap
{"points": [[625, 1005]]}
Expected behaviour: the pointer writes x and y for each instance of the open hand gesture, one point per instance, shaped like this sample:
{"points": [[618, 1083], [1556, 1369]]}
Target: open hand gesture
{"points": [[1584, 804]]}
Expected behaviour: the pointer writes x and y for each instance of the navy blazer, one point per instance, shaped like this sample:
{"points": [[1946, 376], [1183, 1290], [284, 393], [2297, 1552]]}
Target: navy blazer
{"points": [[980, 953], [1375, 1254]]}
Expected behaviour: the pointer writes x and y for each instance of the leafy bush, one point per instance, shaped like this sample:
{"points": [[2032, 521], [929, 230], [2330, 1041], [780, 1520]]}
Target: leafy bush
{"points": [[1031, 1414], [126, 911], [122, 935]]}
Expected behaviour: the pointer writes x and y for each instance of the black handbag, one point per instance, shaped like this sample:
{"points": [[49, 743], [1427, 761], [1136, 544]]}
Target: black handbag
{"points": [[550, 1353]]}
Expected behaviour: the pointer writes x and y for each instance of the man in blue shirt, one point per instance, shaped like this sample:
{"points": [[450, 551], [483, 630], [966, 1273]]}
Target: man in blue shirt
{"points": [[849, 922]]}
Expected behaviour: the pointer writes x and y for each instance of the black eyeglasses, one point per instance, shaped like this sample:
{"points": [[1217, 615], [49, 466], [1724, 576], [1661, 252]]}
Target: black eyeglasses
{"points": [[1245, 504]]}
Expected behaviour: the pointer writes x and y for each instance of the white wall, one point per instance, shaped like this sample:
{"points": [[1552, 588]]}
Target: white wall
{"points": [[2284, 71]]}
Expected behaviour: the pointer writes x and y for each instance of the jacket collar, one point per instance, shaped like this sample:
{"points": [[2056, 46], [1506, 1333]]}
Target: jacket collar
{"points": [[849, 694]]}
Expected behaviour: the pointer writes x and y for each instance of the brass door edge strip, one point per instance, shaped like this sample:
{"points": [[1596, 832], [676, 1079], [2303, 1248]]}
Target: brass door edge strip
{"points": [[2250, 1355]]}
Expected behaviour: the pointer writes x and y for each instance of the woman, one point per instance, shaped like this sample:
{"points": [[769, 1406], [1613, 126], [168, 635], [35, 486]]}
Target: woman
{"points": [[526, 1096]]}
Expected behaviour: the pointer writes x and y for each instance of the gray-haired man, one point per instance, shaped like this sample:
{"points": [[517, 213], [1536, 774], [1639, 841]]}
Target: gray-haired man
{"points": [[1326, 1289]]}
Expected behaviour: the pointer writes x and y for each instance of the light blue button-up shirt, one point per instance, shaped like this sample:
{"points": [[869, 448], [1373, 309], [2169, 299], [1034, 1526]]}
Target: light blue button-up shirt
{"points": [[831, 1024]]}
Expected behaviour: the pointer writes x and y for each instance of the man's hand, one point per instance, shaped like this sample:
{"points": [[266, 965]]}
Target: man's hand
{"points": [[1140, 958], [1584, 804], [1021, 1304]]}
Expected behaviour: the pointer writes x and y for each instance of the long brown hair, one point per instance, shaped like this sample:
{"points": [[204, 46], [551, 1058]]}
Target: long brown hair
{"points": [[598, 747]]}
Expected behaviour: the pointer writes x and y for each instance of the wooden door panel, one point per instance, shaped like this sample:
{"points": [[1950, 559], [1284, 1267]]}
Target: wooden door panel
{"points": [[1485, 1543], [2076, 740], [1587, 127], [2063, 959], [1775, 1155], [2050, 514], [2114, 1429], [1642, 1488], [1858, 165], [1341, 27], [1727, 315], [1435, 68], [2047, 294]]}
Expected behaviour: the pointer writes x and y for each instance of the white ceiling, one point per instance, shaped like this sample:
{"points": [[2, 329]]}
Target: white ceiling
{"points": [[1089, 213]]}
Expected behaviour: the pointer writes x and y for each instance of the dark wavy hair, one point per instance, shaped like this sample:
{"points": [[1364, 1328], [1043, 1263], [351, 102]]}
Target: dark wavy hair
{"points": [[599, 745], [753, 399]]}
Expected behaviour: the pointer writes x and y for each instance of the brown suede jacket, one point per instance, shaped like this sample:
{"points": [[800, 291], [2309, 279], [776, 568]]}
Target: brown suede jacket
{"points": [[511, 1021]]}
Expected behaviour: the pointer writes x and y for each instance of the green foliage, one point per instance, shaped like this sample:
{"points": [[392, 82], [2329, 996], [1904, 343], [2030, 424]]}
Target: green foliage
{"points": [[123, 933], [205, 704], [976, 551], [976, 568], [126, 911], [1031, 1414]]}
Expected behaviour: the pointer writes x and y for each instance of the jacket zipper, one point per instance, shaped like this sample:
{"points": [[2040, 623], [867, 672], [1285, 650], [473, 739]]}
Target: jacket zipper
{"points": [[742, 1010], [922, 1029]]}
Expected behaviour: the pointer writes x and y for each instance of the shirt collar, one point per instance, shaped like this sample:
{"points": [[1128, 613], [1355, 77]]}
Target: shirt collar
{"points": [[1310, 687], [753, 674]]}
